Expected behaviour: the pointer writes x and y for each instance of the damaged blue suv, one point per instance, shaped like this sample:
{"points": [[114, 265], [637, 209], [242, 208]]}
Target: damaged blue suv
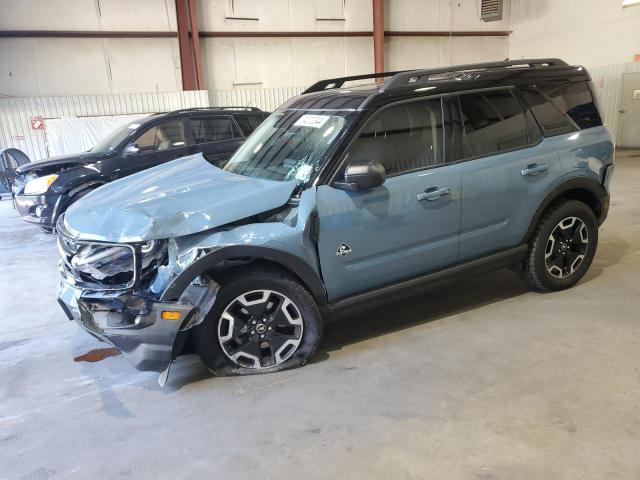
{"points": [[344, 196]]}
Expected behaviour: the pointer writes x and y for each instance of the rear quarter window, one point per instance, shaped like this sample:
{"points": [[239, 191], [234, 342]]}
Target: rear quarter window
{"points": [[550, 118], [248, 123], [212, 129], [574, 100]]}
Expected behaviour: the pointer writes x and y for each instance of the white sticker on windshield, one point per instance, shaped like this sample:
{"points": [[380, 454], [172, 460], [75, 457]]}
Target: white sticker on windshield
{"points": [[313, 121]]}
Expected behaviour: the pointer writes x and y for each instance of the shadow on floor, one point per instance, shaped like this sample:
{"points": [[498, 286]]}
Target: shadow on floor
{"points": [[431, 305]]}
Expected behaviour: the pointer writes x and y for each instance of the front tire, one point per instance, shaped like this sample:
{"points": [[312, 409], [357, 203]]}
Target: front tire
{"points": [[263, 321], [563, 246]]}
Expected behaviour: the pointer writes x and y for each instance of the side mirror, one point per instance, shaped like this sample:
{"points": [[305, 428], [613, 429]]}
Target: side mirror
{"points": [[363, 175], [131, 149]]}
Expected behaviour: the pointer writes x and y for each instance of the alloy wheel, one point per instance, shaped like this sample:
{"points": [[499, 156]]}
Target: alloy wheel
{"points": [[566, 247], [260, 329]]}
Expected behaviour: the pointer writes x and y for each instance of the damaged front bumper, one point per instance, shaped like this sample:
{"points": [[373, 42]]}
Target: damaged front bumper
{"points": [[39, 209], [134, 321]]}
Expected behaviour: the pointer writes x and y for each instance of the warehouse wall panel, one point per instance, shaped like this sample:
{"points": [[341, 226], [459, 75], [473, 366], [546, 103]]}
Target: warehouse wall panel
{"points": [[607, 80], [71, 66], [267, 99], [586, 32], [93, 66], [153, 15]]}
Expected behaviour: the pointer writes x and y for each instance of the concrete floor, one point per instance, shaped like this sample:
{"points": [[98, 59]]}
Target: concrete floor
{"points": [[480, 380]]}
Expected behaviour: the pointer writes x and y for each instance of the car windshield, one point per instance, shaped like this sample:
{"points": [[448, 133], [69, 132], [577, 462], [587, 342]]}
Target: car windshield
{"points": [[289, 145], [112, 140]]}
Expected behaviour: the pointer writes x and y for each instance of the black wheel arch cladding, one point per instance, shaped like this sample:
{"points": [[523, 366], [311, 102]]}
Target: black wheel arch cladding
{"points": [[295, 265], [583, 189]]}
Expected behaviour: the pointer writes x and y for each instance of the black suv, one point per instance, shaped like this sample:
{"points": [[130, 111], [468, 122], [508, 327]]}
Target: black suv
{"points": [[44, 190]]}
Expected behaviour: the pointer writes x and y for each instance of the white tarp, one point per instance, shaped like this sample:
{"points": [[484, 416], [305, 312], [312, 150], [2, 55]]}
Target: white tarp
{"points": [[79, 134]]}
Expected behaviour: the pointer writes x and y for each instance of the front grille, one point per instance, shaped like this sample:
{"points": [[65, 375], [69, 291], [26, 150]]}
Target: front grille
{"points": [[115, 276]]}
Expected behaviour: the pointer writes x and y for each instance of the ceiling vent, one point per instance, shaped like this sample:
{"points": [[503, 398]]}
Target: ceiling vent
{"points": [[491, 10]]}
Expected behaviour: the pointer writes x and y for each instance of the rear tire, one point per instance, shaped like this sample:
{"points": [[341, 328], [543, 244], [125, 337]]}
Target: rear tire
{"points": [[263, 321], [563, 246]]}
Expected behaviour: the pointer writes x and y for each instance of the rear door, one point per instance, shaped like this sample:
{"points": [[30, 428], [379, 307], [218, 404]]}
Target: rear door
{"points": [[405, 227], [217, 137], [160, 143], [506, 171]]}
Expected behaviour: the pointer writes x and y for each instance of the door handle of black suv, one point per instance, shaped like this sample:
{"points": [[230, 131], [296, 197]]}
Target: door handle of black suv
{"points": [[534, 169], [433, 193]]}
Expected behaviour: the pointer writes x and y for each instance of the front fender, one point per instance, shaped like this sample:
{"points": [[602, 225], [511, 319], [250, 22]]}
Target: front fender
{"points": [[208, 262], [77, 179]]}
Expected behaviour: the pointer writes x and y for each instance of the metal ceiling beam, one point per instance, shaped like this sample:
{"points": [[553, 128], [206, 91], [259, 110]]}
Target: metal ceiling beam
{"points": [[184, 42], [261, 34], [195, 44]]}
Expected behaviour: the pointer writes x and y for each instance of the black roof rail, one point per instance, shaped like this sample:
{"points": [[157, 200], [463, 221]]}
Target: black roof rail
{"points": [[412, 77], [253, 109], [331, 83], [215, 109], [404, 77]]}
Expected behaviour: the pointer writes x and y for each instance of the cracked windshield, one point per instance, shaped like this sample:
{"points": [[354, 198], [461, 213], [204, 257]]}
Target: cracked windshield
{"points": [[289, 145]]}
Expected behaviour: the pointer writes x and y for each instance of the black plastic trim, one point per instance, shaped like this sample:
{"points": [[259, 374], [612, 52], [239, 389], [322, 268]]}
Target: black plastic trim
{"points": [[494, 261], [578, 183], [294, 264]]}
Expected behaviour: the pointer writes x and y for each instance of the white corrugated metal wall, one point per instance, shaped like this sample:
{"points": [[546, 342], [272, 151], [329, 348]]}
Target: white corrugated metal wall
{"points": [[16, 113], [608, 82], [265, 98]]}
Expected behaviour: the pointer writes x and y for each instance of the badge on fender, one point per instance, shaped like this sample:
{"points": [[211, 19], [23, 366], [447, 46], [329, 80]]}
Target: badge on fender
{"points": [[343, 250]]}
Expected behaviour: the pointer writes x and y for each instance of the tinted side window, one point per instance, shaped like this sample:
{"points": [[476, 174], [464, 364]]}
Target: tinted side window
{"points": [[551, 119], [161, 137], [248, 123], [493, 122], [403, 137], [213, 129], [455, 145], [575, 100]]}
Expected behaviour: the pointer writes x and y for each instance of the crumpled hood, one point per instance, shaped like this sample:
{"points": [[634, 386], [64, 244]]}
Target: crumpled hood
{"points": [[182, 197]]}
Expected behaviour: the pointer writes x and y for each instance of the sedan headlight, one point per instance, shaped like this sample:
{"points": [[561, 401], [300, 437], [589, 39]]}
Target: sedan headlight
{"points": [[40, 184]]}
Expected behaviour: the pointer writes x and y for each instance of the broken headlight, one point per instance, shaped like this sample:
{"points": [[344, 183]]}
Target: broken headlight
{"points": [[114, 265]]}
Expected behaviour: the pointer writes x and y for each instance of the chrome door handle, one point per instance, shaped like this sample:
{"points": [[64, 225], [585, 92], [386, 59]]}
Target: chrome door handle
{"points": [[434, 193], [534, 169]]}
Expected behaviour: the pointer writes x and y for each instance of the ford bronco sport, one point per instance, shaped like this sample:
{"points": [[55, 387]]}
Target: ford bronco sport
{"points": [[343, 196]]}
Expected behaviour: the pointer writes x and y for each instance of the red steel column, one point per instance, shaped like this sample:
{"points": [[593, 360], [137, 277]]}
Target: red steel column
{"points": [[378, 35], [186, 63], [195, 43]]}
